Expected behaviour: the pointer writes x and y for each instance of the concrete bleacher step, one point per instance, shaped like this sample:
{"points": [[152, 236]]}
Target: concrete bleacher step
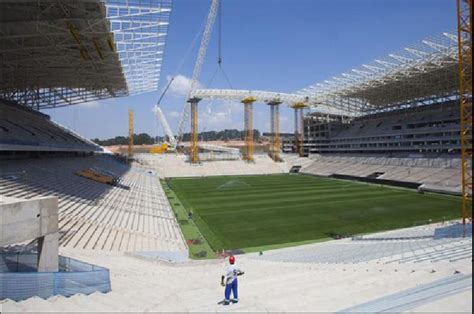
{"points": [[431, 255], [468, 255], [95, 302], [110, 301], [86, 217], [464, 253], [37, 303], [411, 298], [200, 300]]}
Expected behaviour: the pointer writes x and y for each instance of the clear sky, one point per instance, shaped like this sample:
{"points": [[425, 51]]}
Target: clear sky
{"points": [[275, 45]]}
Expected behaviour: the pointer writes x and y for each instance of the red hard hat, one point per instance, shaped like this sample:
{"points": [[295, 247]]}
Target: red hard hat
{"points": [[231, 259]]}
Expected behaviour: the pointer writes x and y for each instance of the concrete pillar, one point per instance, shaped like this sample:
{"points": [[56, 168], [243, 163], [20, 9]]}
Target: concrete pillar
{"points": [[299, 131], [275, 145], [48, 255]]}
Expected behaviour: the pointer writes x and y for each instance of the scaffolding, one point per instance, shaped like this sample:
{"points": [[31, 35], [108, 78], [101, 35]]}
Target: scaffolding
{"points": [[464, 12], [57, 53]]}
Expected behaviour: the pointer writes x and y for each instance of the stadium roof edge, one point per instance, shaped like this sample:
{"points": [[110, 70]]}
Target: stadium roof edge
{"points": [[58, 53], [419, 74]]}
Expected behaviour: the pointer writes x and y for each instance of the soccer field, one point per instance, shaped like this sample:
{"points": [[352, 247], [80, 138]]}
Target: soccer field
{"points": [[242, 212]]}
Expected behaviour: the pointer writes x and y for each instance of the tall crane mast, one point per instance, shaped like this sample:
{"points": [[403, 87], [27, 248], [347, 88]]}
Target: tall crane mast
{"points": [[211, 18]]}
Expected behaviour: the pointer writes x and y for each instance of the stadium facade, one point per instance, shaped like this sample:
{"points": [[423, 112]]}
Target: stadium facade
{"points": [[421, 131]]}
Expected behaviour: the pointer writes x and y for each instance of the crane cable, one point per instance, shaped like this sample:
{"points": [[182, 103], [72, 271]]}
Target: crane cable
{"points": [[178, 69], [183, 59], [219, 49], [219, 60], [192, 45], [219, 34]]}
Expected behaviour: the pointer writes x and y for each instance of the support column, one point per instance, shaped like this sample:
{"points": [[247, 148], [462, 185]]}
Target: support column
{"points": [[48, 260], [275, 142], [248, 126], [194, 149], [299, 132]]}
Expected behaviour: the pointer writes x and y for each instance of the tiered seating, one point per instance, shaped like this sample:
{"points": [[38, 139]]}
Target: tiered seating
{"points": [[133, 215], [443, 173], [168, 165], [24, 129], [295, 160], [414, 245], [302, 284]]}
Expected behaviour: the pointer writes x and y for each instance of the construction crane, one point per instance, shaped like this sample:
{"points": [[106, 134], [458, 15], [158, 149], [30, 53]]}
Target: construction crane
{"points": [[172, 143], [169, 134], [198, 65]]}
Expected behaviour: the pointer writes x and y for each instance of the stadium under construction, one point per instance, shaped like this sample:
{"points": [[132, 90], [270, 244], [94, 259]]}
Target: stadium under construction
{"points": [[366, 206]]}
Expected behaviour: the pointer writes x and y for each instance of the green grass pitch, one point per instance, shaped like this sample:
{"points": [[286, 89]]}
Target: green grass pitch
{"points": [[242, 212]]}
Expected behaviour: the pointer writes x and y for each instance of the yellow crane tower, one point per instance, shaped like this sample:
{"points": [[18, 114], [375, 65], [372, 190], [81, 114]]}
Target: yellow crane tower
{"points": [[299, 132], [194, 148], [248, 126], [130, 133], [464, 14]]}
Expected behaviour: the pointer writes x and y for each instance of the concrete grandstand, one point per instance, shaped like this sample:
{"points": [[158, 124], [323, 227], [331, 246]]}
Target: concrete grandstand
{"points": [[25, 130], [126, 241]]}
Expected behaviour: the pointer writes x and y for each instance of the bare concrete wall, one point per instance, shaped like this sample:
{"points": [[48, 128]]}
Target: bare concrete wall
{"points": [[23, 220]]}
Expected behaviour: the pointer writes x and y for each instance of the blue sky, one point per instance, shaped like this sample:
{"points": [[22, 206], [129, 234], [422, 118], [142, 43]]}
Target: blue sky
{"points": [[276, 45]]}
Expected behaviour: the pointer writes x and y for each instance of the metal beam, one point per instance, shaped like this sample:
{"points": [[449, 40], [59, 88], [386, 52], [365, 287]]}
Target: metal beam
{"points": [[404, 77], [101, 48]]}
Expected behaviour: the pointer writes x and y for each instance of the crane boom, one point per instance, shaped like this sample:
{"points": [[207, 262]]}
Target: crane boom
{"points": [[166, 127], [211, 18]]}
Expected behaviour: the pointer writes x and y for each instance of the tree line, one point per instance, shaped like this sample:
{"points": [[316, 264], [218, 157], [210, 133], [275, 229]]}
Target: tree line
{"points": [[146, 139]]}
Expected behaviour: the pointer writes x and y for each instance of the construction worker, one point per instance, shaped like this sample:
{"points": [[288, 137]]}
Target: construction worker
{"points": [[229, 281]]}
